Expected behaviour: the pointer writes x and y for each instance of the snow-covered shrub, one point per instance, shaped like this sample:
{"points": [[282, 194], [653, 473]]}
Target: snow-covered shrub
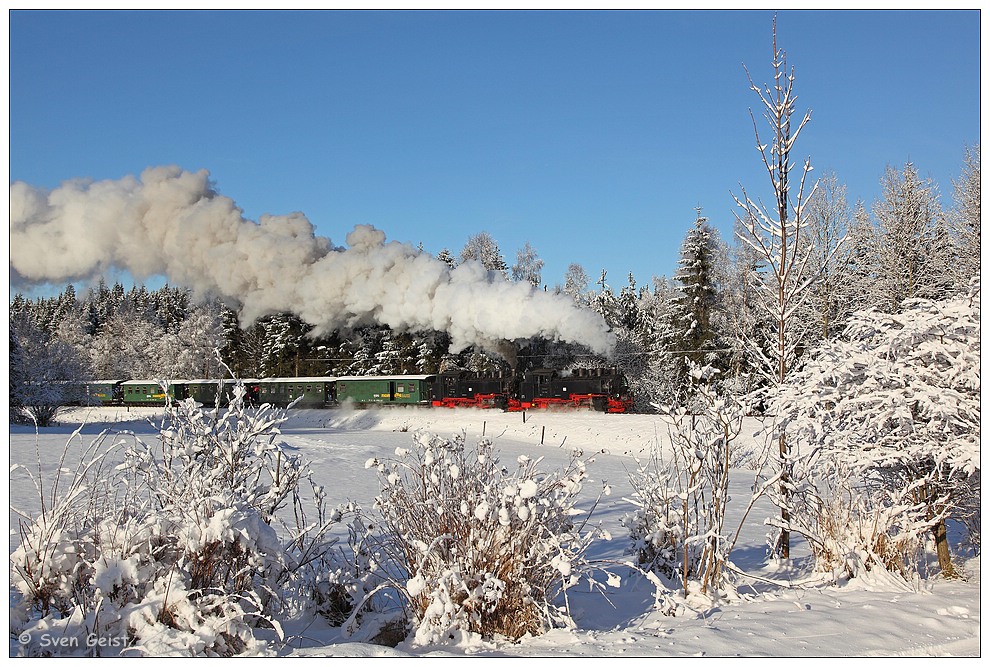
{"points": [[480, 549], [678, 529], [896, 402], [196, 546], [855, 531]]}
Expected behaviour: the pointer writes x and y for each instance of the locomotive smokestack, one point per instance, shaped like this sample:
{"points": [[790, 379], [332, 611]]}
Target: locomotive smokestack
{"points": [[172, 223]]}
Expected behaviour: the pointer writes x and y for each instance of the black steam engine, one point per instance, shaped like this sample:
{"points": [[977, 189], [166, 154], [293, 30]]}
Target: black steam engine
{"points": [[600, 389]]}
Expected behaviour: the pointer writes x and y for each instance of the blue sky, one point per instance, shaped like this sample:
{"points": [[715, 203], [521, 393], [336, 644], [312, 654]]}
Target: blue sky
{"points": [[591, 135]]}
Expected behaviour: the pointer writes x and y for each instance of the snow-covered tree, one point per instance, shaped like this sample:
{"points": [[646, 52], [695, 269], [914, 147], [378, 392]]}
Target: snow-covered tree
{"points": [[576, 283], [124, 347], [445, 257], [779, 237], [830, 221], [16, 372], [699, 292], [251, 352], [47, 374], [171, 305], [663, 378], [627, 305], [483, 248], [861, 262], [200, 338], [430, 349], [896, 400], [528, 266], [604, 302], [284, 343], [913, 249], [391, 353], [965, 217], [73, 330], [744, 316]]}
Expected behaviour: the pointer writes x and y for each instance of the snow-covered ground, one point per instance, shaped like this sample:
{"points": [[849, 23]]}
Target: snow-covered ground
{"points": [[769, 620]]}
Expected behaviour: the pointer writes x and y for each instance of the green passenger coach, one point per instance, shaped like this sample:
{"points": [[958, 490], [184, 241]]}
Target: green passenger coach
{"points": [[385, 390], [312, 392], [140, 392], [99, 392], [211, 393]]}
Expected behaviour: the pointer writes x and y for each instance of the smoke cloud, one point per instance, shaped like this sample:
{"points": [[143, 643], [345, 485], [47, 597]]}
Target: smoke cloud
{"points": [[173, 223]]}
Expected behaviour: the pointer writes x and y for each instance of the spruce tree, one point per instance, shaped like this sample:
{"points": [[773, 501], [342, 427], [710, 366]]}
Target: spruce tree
{"points": [[698, 298], [911, 250], [965, 218]]}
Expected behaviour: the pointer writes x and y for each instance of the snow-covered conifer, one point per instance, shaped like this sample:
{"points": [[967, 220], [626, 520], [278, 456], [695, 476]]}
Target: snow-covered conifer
{"points": [[912, 248], [445, 257], [700, 295], [965, 217]]}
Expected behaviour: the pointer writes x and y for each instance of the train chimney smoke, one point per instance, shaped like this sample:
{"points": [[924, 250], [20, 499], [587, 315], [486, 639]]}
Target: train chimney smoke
{"points": [[173, 223]]}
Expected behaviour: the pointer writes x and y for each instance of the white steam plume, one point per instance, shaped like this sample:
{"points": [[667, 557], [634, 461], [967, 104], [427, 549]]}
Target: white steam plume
{"points": [[172, 223]]}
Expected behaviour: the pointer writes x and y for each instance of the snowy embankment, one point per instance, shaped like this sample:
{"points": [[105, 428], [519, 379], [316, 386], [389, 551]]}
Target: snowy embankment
{"points": [[769, 619]]}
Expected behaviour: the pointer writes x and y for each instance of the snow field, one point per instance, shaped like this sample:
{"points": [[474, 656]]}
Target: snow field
{"points": [[769, 620]]}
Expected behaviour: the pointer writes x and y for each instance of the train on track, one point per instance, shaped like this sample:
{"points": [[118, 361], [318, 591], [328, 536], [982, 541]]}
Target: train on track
{"points": [[603, 390]]}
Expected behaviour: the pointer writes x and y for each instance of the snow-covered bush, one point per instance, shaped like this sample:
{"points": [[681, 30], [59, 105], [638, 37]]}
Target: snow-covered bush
{"points": [[480, 549], [855, 530], [678, 529], [896, 403], [195, 546]]}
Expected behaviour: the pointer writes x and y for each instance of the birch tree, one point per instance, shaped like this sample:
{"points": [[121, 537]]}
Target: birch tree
{"points": [[576, 284], [528, 266], [778, 235], [830, 223], [484, 248]]}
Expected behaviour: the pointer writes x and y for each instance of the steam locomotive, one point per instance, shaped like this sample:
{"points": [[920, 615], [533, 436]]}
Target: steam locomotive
{"points": [[603, 390]]}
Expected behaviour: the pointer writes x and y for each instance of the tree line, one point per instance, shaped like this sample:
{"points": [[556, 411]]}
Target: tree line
{"points": [[907, 245]]}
